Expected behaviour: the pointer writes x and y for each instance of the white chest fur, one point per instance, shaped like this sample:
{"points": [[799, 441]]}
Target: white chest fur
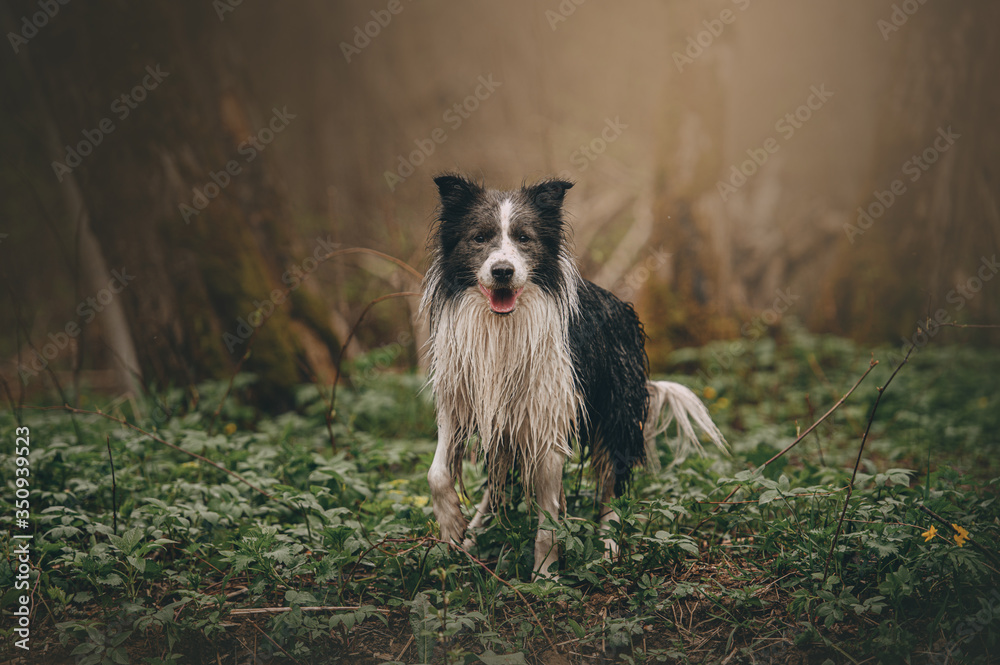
{"points": [[508, 379]]}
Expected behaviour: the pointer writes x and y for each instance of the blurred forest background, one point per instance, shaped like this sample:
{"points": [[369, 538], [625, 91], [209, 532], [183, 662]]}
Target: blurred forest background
{"points": [[652, 107]]}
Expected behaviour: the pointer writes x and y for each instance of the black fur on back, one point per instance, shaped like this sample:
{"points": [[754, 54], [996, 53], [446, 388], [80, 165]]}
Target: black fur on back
{"points": [[608, 346]]}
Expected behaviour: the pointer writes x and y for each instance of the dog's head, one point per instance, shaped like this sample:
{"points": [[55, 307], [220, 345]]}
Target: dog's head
{"points": [[500, 241]]}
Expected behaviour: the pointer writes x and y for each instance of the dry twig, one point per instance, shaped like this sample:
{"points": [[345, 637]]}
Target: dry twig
{"points": [[242, 611], [340, 357], [801, 436], [857, 462], [273, 642]]}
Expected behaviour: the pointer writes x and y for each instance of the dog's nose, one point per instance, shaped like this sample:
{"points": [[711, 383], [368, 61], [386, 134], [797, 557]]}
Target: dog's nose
{"points": [[502, 271]]}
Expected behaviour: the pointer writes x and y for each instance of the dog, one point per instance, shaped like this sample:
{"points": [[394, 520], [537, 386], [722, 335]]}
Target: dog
{"points": [[526, 357]]}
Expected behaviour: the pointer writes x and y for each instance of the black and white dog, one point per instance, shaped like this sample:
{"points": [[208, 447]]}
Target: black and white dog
{"points": [[526, 356]]}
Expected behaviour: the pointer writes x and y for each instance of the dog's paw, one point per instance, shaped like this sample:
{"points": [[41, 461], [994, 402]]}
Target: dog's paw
{"points": [[453, 528], [449, 517]]}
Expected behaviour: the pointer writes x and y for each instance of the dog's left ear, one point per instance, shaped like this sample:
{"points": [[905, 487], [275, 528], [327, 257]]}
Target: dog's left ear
{"points": [[548, 195]]}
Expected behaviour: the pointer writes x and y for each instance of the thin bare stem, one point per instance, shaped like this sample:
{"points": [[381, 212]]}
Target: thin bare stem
{"points": [[271, 640], [340, 357], [279, 610], [364, 250], [798, 439], [871, 365], [520, 595], [114, 487], [857, 462], [969, 325]]}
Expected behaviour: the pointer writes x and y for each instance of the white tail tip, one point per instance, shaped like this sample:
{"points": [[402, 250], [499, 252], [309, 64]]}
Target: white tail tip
{"points": [[669, 401]]}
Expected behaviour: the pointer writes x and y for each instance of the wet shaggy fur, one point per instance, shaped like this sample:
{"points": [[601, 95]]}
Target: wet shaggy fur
{"points": [[608, 348], [527, 357]]}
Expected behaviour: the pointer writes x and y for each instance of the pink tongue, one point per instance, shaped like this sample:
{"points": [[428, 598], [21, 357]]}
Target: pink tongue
{"points": [[502, 301]]}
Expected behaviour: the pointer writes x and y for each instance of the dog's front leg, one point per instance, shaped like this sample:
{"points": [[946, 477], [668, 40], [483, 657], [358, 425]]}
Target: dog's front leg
{"points": [[441, 477], [549, 499]]}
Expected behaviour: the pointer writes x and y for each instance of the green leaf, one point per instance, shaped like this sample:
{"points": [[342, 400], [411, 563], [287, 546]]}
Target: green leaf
{"points": [[768, 496], [423, 636], [62, 533], [138, 564], [114, 579]]}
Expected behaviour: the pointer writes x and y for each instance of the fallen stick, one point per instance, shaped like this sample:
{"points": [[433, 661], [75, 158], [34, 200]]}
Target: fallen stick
{"points": [[241, 611]]}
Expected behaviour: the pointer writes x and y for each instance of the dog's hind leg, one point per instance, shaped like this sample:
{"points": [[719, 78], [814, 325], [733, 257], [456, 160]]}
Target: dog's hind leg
{"points": [[549, 499], [606, 491], [441, 478], [482, 516], [606, 515]]}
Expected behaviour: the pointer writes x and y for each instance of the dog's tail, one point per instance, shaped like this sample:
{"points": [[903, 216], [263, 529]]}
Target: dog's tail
{"points": [[669, 401]]}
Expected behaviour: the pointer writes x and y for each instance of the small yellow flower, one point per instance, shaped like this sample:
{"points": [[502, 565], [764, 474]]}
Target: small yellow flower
{"points": [[230, 429], [962, 536], [723, 403], [709, 392], [419, 501], [929, 534]]}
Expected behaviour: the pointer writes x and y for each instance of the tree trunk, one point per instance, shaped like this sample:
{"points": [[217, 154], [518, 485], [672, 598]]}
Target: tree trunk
{"points": [[207, 253], [939, 147]]}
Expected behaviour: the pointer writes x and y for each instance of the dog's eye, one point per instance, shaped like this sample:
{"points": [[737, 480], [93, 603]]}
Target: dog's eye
{"points": [[523, 239], [479, 239]]}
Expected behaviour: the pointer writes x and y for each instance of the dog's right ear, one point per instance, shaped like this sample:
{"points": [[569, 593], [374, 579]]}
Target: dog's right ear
{"points": [[456, 192]]}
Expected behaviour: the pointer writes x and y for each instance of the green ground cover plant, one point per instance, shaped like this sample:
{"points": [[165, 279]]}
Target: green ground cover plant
{"points": [[316, 553]]}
